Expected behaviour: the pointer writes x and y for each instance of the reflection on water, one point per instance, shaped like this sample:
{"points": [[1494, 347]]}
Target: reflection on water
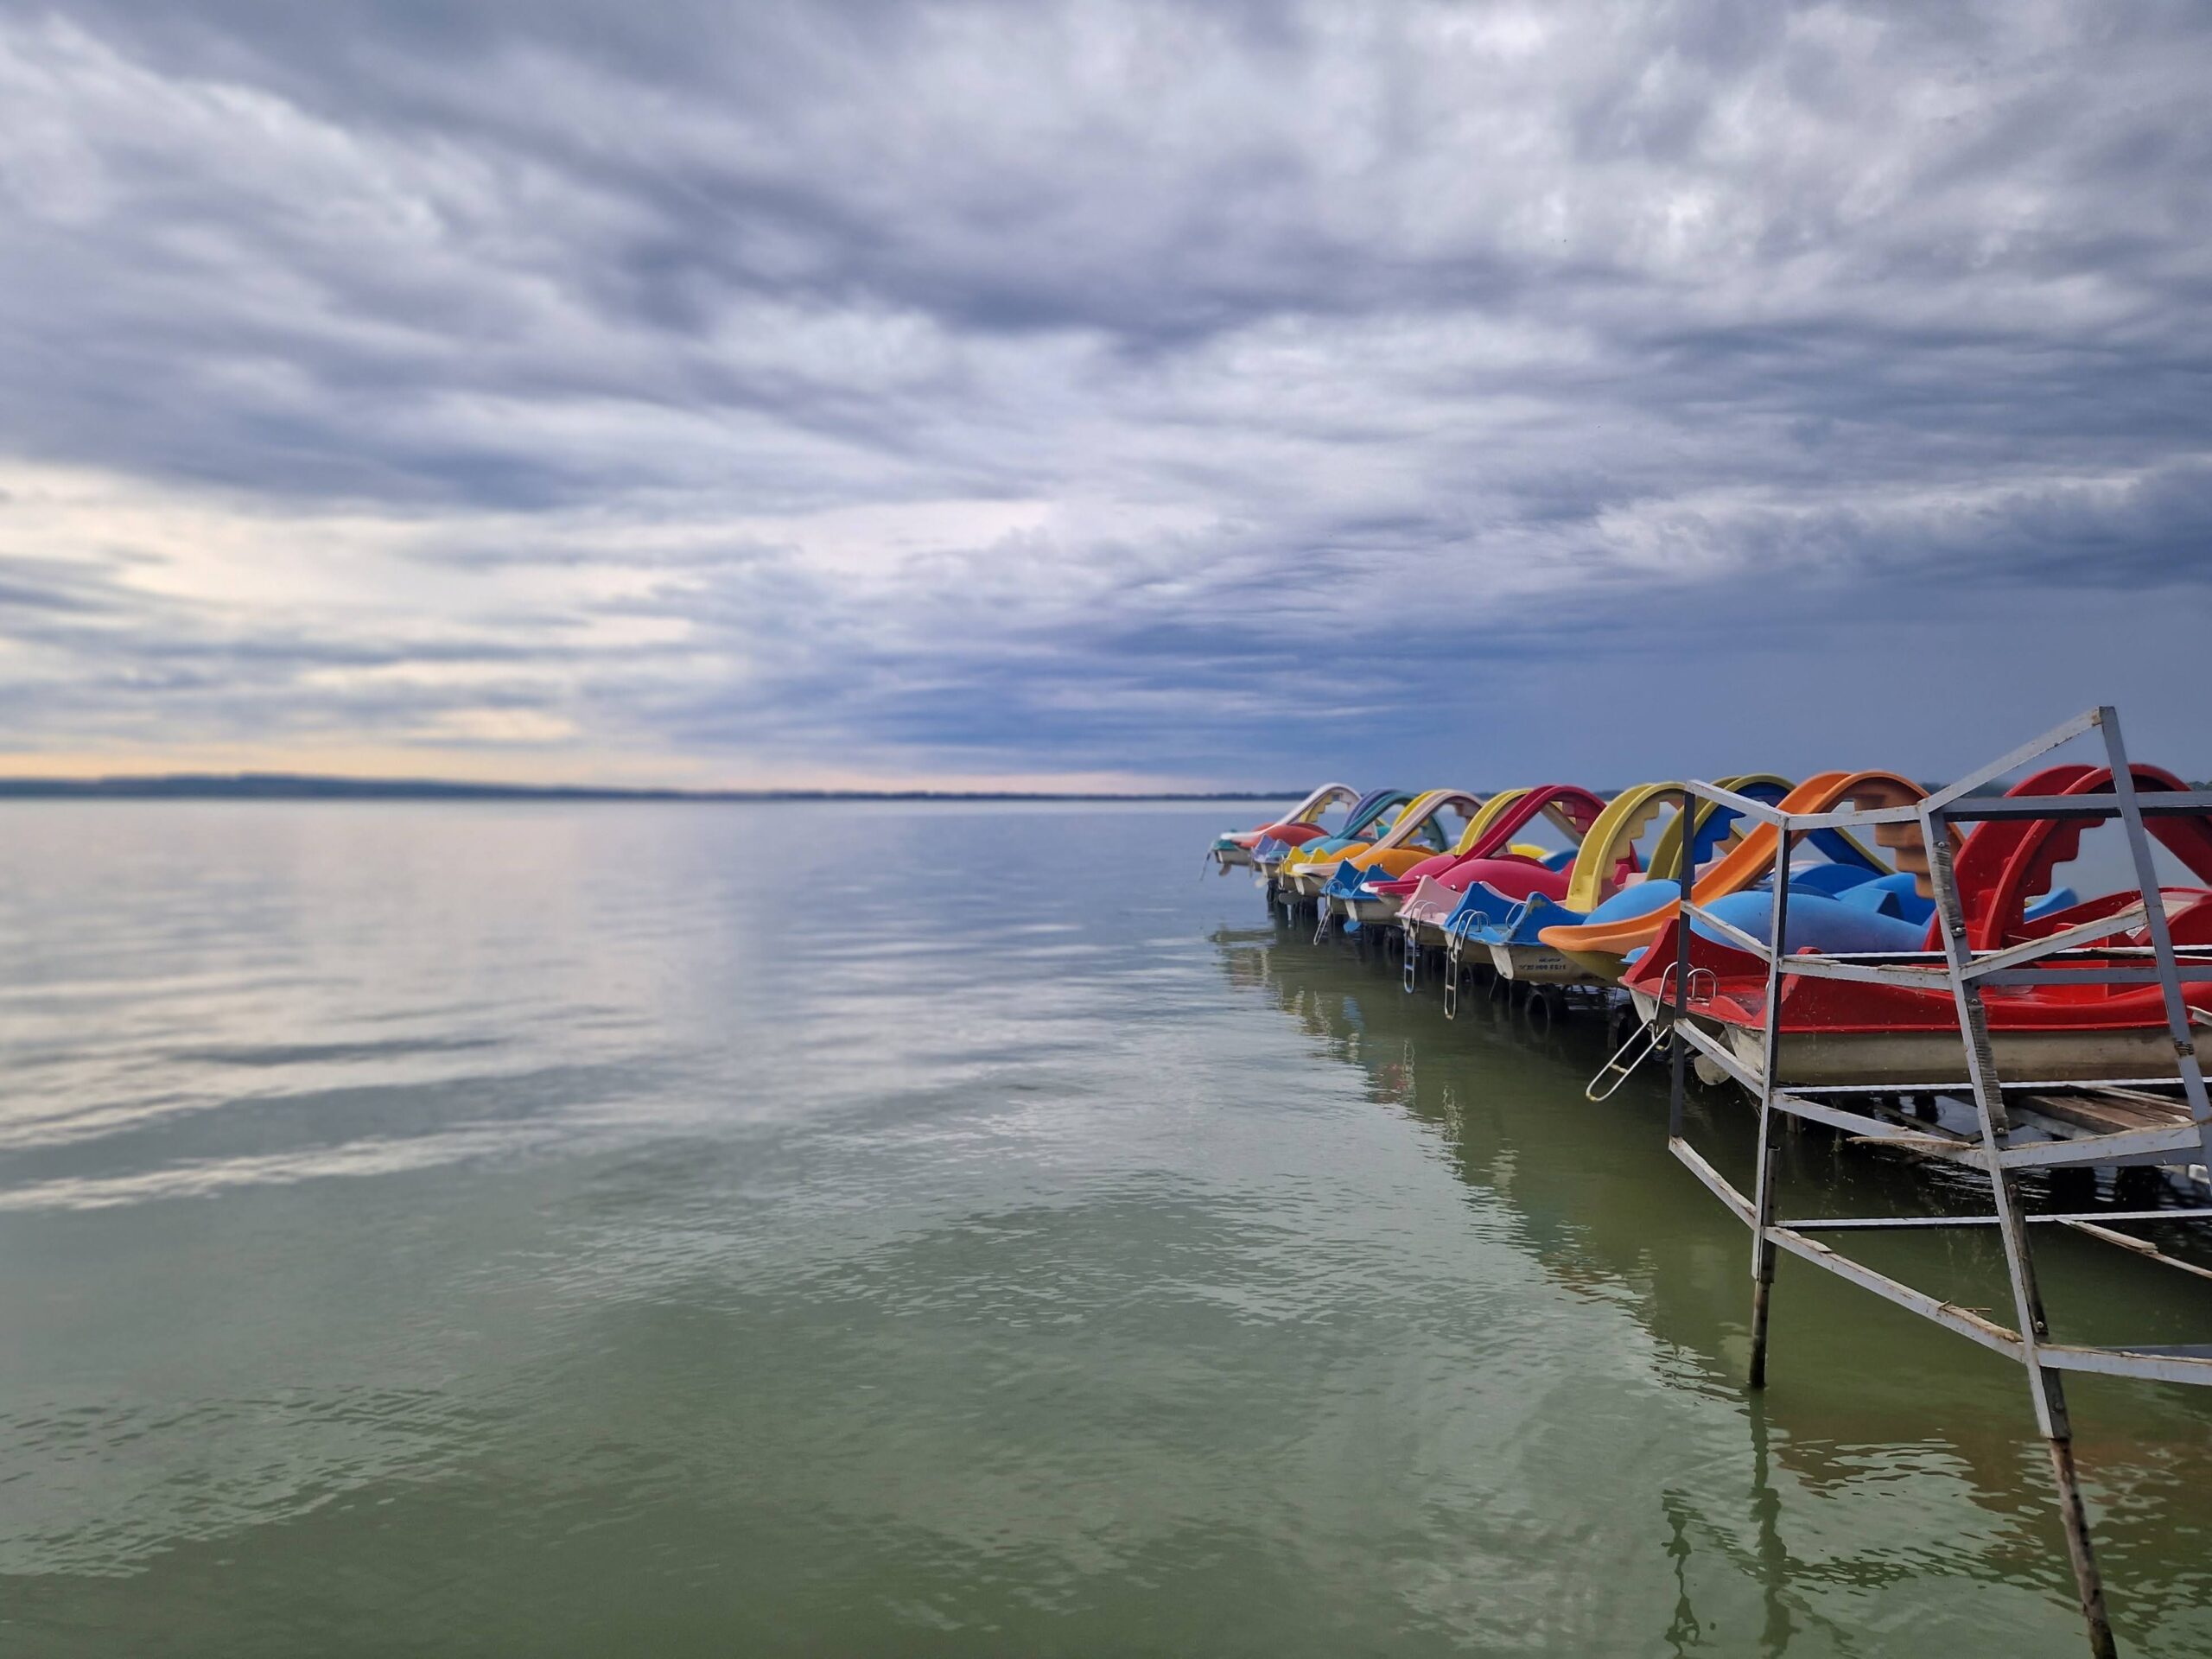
{"points": [[851, 1228], [1865, 1399]]}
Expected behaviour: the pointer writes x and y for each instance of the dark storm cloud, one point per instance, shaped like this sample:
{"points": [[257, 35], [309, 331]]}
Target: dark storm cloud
{"points": [[1217, 390]]}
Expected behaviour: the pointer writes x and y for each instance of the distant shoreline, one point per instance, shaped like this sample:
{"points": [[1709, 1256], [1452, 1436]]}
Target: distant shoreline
{"points": [[284, 786]]}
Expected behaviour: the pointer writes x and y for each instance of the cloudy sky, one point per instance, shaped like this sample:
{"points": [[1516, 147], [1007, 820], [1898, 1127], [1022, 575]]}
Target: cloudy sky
{"points": [[844, 391]]}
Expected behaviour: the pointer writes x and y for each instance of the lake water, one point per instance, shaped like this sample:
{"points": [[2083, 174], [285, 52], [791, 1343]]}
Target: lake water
{"points": [[860, 1229]]}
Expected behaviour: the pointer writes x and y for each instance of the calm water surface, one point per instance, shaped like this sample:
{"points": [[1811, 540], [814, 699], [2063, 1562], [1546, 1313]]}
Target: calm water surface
{"points": [[851, 1229]]}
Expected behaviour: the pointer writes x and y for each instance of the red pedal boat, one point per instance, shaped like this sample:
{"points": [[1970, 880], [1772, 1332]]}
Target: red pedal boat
{"points": [[1843, 1030]]}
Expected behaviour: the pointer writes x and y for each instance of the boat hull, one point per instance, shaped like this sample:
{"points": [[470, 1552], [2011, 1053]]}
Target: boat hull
{"points": [[1811, 1058], [1370, 910], [1537, 964]]}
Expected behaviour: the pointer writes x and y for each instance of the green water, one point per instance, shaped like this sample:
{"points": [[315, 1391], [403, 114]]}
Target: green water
{"points": [[846, 1229]]}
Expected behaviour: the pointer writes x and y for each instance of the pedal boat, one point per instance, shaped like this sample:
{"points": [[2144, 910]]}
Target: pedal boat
{"points": [[1835, 1032], [1272, 851], [1417, 838], [1424, 895], [1504, 919], [1373, 817], [1604, 941], [1233, 850]]}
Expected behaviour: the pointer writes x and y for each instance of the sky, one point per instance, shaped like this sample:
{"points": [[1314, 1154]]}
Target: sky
{"points": [[849, 393]]}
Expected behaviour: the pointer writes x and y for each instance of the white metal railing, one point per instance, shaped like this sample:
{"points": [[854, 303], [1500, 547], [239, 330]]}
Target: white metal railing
{"points": [[1964, 972]]}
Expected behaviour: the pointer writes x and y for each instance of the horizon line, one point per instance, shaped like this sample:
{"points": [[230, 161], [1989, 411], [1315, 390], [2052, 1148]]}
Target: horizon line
{"points": [[303, 785]]}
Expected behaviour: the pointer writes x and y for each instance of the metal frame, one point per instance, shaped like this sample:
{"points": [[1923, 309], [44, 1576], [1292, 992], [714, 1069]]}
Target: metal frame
{"points": [[1990, 1145]]}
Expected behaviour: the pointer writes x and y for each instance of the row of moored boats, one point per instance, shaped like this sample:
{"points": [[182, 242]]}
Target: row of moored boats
{"points": [[1556, 886]]}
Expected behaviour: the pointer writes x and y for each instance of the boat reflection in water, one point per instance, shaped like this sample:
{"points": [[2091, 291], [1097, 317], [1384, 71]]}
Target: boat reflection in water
{"points": [[1885, 1456]]}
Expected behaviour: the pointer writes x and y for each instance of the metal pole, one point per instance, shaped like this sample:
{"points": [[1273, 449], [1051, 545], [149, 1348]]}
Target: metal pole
{"points": [[1678, 1058], [2047, 1389], [1763, 1197], [2162, 942]]}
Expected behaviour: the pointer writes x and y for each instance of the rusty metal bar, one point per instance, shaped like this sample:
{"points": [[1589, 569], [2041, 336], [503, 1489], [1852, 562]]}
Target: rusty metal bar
{"points": [[1715, 1182], [2160, 803], [1717, 1054], [2163, 1364], [1856, 1123], [2064, 732], [1769, 1143], [1968, 1323], [2066, 939], [1693, 914], [1677, 1051], [2162, 942], [1763, 810], [1954, 1085], [2048, 1389], [1865, 972], [2098, 1148], [2099, 1217], [1853, 817]]}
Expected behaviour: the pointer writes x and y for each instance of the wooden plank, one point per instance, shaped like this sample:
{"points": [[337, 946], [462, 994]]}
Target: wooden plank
{"points": [[2110, 1111]]}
